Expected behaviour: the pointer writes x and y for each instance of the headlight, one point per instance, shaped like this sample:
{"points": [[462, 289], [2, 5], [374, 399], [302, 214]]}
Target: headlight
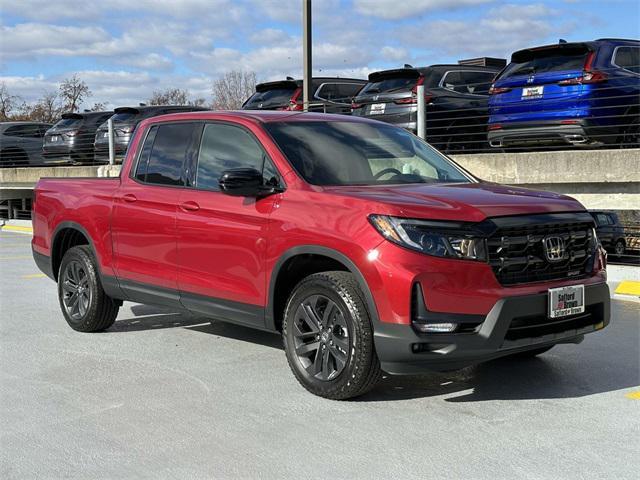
{"points": [[440, 239]]}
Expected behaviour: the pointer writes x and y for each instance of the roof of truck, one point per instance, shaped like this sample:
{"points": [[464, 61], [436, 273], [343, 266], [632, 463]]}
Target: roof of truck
{"points": [[261, 116]]}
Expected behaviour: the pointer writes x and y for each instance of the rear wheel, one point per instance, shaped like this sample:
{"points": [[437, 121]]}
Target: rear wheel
{"points": [[328, 337], [84, 304]]}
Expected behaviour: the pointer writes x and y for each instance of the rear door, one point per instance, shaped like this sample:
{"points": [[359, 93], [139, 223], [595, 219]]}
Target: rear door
{"points": [[222, 239], [144, 213], [534, 88]]}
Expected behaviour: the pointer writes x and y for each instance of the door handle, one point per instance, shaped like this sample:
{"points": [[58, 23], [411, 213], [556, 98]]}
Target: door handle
{"points": [[129, 197], [190, 206]]}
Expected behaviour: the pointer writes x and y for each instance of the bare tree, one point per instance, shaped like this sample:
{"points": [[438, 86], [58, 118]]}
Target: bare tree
{"points": [[174, 96], [232, 89], [8, 103], [73, 91], [98, 107]]}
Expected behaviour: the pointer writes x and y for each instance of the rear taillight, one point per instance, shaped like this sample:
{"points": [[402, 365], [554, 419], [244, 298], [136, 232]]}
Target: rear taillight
{"points": [[588, 74], [495, 126], [294, 103], [355, 105], [497, 90], [403, 101], [420, 81], [585, 78]]}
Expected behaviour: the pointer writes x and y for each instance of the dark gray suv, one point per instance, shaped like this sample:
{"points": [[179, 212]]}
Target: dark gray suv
{"points": [[125, 120], [456, 98], [70, 140]]}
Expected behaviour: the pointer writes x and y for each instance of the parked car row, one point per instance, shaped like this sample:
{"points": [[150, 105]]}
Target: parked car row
{"points": [[582, 93], [579, 93], [77, 138]]}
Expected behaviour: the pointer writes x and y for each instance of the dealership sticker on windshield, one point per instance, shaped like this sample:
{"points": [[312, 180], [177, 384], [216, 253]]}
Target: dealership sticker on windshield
{"points": [[377, 109], [530, 93], [566, 301]]}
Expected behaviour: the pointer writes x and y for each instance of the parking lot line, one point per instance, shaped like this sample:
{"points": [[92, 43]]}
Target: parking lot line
{"points": [[16, 228], [34, 275], [628, 287], [633, 395], [17, 257]]}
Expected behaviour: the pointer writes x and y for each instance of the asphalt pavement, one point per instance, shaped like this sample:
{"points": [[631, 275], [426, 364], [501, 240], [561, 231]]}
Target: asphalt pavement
{"points": [[168, 395]]}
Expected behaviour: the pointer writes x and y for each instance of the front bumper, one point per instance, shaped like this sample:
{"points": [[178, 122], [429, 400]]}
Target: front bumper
{"points": [[514, 324]]}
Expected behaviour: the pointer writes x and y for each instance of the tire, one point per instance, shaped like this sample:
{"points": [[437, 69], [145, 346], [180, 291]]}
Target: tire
{"points": [[619, 248], [92, 310], [327, 311], [530, 353]]}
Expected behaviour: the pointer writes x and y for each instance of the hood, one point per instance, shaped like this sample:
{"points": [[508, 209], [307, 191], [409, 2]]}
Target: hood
{"points": [[470, 202]]}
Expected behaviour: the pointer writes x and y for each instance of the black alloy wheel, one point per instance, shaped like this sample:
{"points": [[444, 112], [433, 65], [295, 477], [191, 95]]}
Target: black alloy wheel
{"points": [[76, 290], [321, 337]]}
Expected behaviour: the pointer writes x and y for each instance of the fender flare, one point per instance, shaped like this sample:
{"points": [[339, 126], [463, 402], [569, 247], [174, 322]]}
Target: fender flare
{"points": [[270, 322], [110, 283]]}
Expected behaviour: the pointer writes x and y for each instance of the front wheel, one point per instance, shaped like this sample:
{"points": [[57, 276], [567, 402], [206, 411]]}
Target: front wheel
{"points": [[85, 305], [619, 248], [328, 337]]}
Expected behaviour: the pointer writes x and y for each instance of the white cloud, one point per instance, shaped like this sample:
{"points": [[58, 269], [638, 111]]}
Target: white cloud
{"points": [[395, 10], [395, 54]]}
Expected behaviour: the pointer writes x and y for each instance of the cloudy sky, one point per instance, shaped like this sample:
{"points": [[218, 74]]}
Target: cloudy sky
{"points": [[125, 49]]}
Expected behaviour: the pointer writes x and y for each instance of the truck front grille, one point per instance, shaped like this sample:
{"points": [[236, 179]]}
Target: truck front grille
{"points": [[517, 254]]}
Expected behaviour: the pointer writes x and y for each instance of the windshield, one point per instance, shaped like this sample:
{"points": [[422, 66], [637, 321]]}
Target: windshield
{"points": [[393, 83], [548, 60], [354, 153], [123, 117], [270, 98], [73, 122]]}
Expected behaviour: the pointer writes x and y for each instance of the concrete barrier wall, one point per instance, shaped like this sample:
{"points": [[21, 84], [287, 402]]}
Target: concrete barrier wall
{"points": [[600, 179]]}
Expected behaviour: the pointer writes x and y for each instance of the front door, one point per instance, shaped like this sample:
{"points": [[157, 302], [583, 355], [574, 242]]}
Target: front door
{"points": [[222, 239]]}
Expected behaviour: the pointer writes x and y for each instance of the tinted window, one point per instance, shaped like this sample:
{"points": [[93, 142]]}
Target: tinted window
{"points": [[24, 131], [603, 219], [391, 84], [476, 83], [124, 116], [73, 122], [350, 153], [269, 98], [164, 153], [338, 92], [628, 58], [224, 147], [547, 60]]}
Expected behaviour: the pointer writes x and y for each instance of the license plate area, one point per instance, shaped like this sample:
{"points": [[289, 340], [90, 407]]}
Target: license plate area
{"points": [[566, 301], [377, 108], [531, 93], [55, 138]]}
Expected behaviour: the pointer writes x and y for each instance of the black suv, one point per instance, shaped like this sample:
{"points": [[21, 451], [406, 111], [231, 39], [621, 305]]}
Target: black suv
{"points": [[610, 232], [125, 120], [330, 95], [70, 140], [456, 98]]}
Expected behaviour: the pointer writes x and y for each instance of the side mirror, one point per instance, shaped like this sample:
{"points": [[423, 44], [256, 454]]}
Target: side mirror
{"points": [[244, 182]]}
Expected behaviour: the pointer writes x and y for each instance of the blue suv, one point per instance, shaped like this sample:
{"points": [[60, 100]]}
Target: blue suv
{"points": [[585, 93]]}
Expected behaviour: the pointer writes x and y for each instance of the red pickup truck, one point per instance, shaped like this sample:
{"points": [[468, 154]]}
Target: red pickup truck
{"points": [[365, 247]]}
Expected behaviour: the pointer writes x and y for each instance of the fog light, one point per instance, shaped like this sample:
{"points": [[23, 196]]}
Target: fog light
{"points": [[435, 327]]}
